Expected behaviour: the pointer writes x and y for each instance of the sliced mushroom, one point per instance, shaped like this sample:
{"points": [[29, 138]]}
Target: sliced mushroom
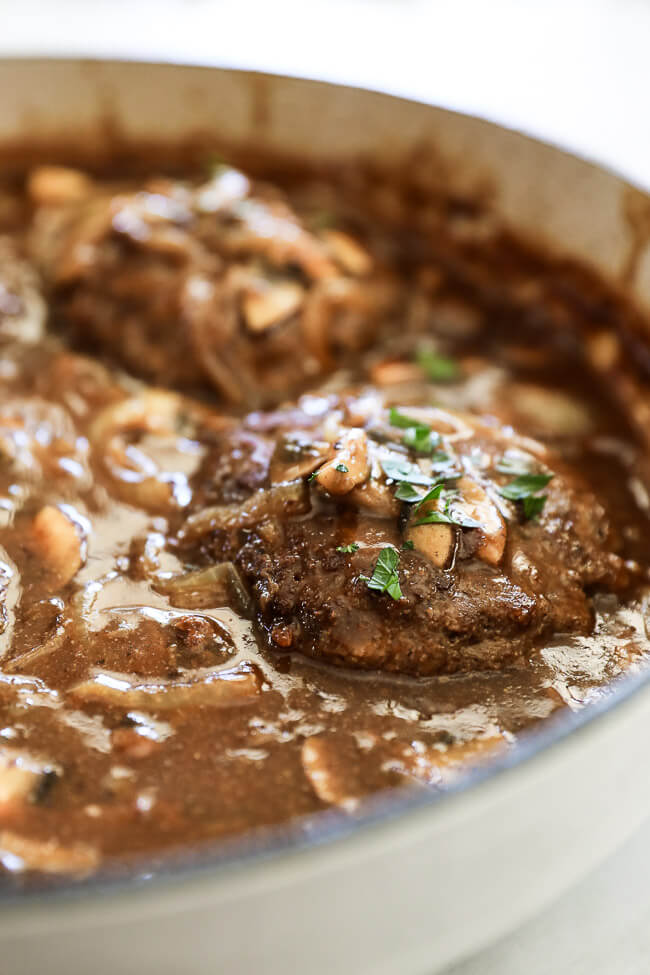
{"points": [[56, 539], [295, 458], [348, 467], [475, 503], [347, 252], [271, 303], [375, 497], [436, 542], [56, 185]]}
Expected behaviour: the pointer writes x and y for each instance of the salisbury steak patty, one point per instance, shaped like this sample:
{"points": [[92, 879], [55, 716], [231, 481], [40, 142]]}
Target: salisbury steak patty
{"points": [[420, 540], [219, 281]]}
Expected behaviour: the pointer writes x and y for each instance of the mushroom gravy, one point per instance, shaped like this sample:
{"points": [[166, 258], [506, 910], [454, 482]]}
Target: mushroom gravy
{"points": [[307, 491]]}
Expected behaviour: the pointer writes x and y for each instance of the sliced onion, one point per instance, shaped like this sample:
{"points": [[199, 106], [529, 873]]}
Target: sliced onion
{"points": [[18, 853], [279, 500], [213, 687], [218, 585]]}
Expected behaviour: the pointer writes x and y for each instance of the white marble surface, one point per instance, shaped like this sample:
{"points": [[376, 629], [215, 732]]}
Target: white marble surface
{"points": [[572, 71]]}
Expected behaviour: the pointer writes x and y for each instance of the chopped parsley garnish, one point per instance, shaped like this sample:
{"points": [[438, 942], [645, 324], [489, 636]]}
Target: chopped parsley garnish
{"points": [[421, 439], [352, 547], [533, 506], [214, 163], [440, 460], [514, 463], [449, 515], [384, 577], [417, 436], [408, 544], [342, 469], [323, 220], [397, 419], [432, 495], [403, 470], [525, 488], [406, 492], [439, 368], [312, 477]]}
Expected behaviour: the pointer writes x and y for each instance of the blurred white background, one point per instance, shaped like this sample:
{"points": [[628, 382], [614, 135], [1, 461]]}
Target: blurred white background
{"points": [[572, 71]]}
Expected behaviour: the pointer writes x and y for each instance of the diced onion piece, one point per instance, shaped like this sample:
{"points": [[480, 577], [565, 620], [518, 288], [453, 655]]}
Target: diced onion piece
{"points": [[58, 543], [603, 350], [271, 304], [442, 766], [215, 688], [475, 503], [20, 774], [349, 466], [395, 373], [55, 185], [48, 856], [348, 252]]}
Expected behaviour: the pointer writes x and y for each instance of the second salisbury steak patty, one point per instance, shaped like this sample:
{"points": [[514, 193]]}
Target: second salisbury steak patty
{"points": [[413, 539]]}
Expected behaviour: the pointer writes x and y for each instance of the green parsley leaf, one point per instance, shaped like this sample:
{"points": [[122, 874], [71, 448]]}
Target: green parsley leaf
{"points": [[448, 516], [421, 439], [312, 477], [441, 460], [432, 495], [514, 463], [408, 544], [214, 163], [342, 469], [417, 436], [403, 470], [524, 486], [406, 492], [435, 518], [323, 220], [352, 547], [400, 420], [384, 577], [533, 506], [439, 368]]}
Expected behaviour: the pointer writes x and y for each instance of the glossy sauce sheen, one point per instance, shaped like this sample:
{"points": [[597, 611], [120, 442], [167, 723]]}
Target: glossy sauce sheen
{"points": [[137, 718]]}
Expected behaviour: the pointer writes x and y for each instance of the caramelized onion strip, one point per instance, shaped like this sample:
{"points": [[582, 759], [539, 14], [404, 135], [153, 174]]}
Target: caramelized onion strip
{"points": [[217, 688], [276, 501]]}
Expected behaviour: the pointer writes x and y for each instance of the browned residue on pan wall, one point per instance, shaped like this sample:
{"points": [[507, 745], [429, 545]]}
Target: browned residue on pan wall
{"points": [[636, 214]]}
